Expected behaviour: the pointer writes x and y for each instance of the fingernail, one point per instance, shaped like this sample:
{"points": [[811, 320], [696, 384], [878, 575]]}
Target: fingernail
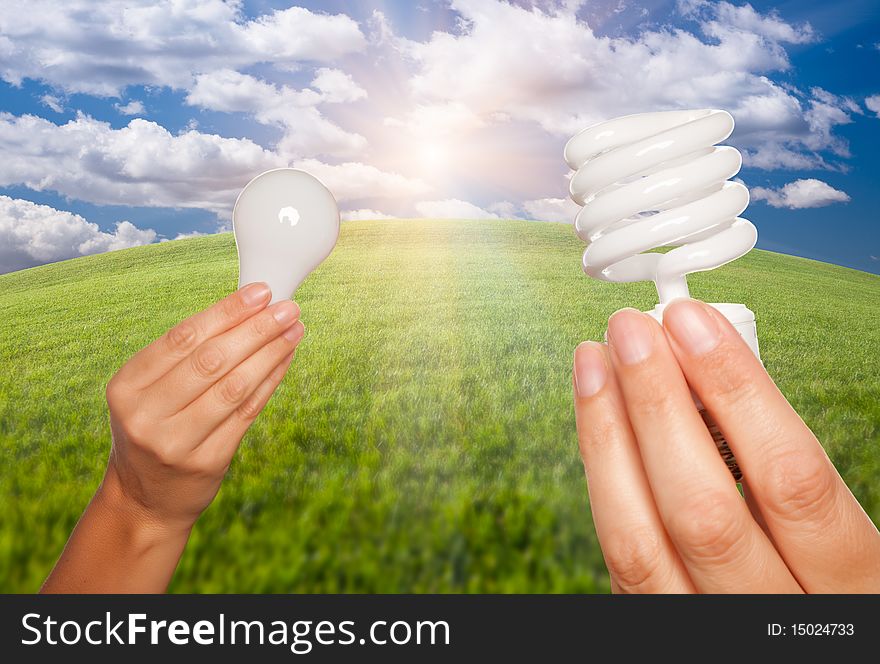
{"points": [[630, 336], [691, 326], [285, 312], [253, 294], [590, 372], [294, 333]]}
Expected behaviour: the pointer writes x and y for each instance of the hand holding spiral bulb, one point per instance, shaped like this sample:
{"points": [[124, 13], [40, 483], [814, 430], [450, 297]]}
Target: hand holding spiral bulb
{"points": [[658, 180]]}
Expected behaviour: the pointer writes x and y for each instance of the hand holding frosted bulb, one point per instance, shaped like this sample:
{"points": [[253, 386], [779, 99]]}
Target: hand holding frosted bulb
{"points": [[667, 512], [180, 407], [178, 411]]}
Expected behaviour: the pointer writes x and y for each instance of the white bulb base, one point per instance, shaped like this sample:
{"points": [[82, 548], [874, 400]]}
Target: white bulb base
{"points": [[740, 316]]}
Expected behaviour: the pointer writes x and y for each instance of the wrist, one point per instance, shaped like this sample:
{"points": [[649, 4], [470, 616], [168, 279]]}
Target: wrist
{"points": [[118, 546], [141, 527]]}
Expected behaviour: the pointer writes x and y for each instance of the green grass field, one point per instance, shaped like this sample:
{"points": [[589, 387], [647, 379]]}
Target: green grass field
{"points": [[424, 439]]}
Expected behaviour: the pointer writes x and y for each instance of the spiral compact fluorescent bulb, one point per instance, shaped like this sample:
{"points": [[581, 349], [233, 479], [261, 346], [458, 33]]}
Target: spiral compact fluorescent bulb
{"points": [[658, 180]]}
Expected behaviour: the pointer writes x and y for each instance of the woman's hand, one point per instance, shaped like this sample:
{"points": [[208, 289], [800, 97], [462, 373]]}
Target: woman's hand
{"points": [[179, 408], [178, 411], [666, 509]]}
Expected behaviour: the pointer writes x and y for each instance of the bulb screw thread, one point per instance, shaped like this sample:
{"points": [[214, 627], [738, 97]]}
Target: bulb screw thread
{"points": [[721, 443]]}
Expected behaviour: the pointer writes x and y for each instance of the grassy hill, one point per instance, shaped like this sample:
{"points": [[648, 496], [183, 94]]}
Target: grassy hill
{"points": [[424, 440]]}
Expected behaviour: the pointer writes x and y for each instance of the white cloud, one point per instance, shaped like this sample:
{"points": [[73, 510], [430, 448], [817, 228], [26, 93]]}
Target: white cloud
{"points": [[505, 209], [453, 208], [32, 234], [353, 180], [541, 209], [186, 236], [336, 86], [747, 19], [230, 91], [142, 164], [809, 193], [478, 111], [552, 209], [52, 102], [101, 48], [824, 112], [307, 132], [139, 164], [774, 156], [290, 35], [427, 121], [134, 107], [364, 214], [545, 66], [823, 96]]}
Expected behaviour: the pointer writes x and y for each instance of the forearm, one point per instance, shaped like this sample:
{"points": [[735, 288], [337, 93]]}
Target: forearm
{"points": [[117, 548]]}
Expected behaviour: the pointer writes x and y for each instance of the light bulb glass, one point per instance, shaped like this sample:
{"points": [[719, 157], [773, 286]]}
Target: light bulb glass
{"points": [[286, 223]]}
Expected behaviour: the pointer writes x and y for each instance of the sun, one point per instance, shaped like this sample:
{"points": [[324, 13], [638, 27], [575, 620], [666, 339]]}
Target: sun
{"points": [[434, 157]]}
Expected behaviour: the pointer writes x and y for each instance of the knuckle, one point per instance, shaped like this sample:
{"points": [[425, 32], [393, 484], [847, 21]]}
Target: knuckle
{"points": [[138, 430], [232, 389], [653, 404], [206, 361], [729, 374], [263, 326], [250, 408], [198, 467], [113, 391], [599, 437], [279, 372], [297, 330], [633, 559], [799, 485], [709, 527], [232, 307], [166, 455], [152, 440], [182, 337]]}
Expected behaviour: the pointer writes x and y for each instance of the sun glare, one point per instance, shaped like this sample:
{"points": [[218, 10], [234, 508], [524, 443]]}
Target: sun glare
{"points": [[434, 157]]}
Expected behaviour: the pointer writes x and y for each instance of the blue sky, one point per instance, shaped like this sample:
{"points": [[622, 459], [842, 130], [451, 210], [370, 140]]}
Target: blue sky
{"points": [[122, 126]]}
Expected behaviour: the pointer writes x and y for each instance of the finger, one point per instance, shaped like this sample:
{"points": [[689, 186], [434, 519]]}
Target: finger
{"points": [[153, 361], [229, 393], [209, 363], [220, 446], [720, 544], [755, 510], [638, 553], [821, 531]]}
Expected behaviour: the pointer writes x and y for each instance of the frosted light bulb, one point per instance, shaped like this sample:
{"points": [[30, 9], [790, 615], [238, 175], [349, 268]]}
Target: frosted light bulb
{"points": [[658, 180], [285, 223]]}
